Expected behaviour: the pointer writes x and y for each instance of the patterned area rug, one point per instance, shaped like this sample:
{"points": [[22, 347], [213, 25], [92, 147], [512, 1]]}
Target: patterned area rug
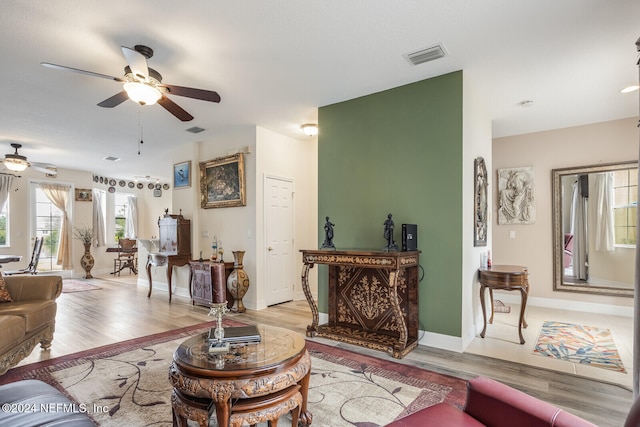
{"points": [[586, 345], [125, 384], [72, 285]]}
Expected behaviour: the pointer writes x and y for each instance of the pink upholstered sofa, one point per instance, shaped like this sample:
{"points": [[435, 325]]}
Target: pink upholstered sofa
{"points": [[493, 404]]}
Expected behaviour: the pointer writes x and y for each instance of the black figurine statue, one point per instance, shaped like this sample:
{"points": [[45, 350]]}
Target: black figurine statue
{"points": [[328, 235], [388, 234]]}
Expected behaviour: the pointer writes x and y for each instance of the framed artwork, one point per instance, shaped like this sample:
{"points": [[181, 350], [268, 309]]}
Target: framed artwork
{"points": [[480, 202], [182, 175], [84, 195], [516, 198], [222, 182]]}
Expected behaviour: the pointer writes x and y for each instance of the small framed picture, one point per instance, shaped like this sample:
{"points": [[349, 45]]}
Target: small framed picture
{"points": [[83, 195], [182, 175]]}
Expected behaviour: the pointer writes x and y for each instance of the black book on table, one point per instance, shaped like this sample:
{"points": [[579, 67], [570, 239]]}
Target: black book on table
{"points": [[238, 334]]}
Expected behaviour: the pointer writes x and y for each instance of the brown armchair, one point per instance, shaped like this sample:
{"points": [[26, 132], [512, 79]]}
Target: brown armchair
{"points": [[127, 256]]}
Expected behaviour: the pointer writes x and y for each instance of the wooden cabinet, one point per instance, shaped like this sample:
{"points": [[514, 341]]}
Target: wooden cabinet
{"points": [[201, 285], [174, 235], [373, 298]]}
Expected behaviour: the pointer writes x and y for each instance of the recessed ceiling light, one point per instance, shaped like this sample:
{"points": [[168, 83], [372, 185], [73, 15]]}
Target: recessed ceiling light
{"points": [[526, 103], [629, 89]]}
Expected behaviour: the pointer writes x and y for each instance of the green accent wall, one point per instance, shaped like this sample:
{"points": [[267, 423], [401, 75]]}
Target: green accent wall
{"points": [[399, 152]]}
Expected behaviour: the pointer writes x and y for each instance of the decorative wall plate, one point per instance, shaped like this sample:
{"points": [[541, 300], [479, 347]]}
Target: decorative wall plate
{"points": [[150, 186], [112, 182], [165, 186], [101, 180], [95, 178], [158, 187], [140, 186], [112, 189], [131, 184], [122, 183]]}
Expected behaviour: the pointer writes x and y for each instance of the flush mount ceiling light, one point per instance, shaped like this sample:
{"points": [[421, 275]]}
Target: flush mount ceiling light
{"points": [[309, 129], [142, 93], [630, 89], [526, 103]]}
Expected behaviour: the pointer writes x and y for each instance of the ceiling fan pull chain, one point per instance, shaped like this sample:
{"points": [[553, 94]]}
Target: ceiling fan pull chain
{"points": [[140, 126]]}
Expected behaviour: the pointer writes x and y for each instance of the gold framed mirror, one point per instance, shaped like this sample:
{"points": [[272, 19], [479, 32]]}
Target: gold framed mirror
{"points": [[594, 228]]}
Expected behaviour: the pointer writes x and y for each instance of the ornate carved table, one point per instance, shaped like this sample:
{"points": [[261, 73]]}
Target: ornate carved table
{"points": [[373, 298], [504, 278], [203, 381]]}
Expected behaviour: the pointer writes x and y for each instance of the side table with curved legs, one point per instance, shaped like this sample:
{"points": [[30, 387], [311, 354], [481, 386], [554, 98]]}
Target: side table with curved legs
{"points": [[504, 278]]}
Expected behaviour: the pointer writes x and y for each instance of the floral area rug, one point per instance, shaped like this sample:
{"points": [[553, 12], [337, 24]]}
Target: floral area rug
{"points": [[126, 384], [586, 345], [72, 285]]}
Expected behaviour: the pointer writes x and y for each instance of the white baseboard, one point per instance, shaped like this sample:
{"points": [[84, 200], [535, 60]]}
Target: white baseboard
{"points": [[563, 304]]}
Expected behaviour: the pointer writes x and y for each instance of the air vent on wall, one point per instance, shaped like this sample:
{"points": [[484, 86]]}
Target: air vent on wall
{"points": [[428, 54]]}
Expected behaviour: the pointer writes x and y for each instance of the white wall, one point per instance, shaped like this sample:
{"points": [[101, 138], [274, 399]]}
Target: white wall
{"points": [[476, 143], [297, 160], [606, 142]]}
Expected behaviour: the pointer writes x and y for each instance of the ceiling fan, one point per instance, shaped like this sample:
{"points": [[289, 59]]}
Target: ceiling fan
{"points": [[17, 162], [144, 85]]}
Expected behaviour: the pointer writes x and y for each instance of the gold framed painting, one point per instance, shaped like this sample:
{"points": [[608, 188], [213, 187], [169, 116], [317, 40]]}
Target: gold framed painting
{"points": [[222, 182]]}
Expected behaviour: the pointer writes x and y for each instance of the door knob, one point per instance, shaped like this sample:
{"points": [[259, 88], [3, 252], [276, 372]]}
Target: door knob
{"points": [[269, 248]]}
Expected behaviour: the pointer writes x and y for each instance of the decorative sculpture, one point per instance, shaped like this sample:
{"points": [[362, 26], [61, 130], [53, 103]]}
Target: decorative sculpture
{"points": [[389, 225], [328, 235]]}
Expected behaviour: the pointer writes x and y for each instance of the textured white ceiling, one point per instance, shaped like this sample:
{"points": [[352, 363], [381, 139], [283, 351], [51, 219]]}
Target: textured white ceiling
{"points": [[275, 62]]}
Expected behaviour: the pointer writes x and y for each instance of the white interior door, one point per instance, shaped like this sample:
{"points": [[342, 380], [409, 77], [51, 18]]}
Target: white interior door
{"points": [[279, 239]]}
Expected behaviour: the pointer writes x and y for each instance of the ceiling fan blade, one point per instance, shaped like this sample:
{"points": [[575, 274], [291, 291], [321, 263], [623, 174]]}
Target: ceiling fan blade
{"points": [[46, 168], [76, 70], [189, 92], [175, 109], [137, 62], [115, 100]]}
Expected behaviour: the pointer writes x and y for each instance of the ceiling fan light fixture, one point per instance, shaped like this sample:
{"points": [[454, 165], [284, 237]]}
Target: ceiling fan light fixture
{"points": [[15, 164], [142, 93], [309, 129]]}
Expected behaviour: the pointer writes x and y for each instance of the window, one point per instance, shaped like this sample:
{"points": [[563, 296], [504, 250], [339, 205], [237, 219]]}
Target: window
{"points": [[120, 207], [4, 225], [47, 226], [625, 205]]}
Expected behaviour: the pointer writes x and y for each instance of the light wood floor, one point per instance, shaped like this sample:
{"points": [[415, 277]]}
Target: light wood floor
{"points": [[121, 311]]}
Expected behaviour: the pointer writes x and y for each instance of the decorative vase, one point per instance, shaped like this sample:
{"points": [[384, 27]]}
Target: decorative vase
{"points": [[87, 261], [238, 282]]}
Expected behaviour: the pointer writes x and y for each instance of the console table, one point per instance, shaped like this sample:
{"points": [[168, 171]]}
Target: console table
{"points": [[504, 278], [373, 298]]}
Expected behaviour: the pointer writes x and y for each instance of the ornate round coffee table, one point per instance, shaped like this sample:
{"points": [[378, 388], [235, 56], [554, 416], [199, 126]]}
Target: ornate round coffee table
{"points": [[204, 381]]}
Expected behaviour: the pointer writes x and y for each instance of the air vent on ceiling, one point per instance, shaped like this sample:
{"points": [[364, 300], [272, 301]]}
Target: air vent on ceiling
{"points": [[428, 54], [111, 158], [195, 129]]}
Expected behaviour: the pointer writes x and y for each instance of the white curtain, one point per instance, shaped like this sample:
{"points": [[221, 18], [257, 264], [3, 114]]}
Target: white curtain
{"points": [[604, 212], [99, 227], [5, 187], [59, 196], [131, 223], [579, 231]]}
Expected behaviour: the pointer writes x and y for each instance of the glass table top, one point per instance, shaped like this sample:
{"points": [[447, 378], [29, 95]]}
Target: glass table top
{"points": [[277, 345]]}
